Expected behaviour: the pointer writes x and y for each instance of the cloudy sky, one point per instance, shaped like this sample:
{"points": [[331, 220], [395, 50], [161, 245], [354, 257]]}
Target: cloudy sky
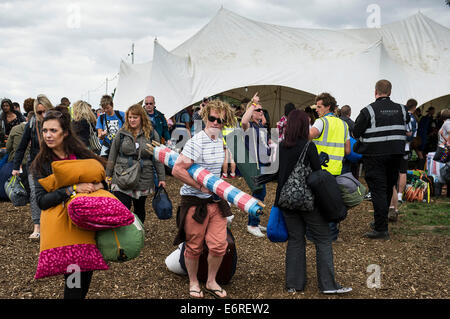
{"points": [[71, 47]]}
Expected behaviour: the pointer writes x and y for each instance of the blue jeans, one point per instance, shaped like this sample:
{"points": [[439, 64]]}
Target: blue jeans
{"points": [[252, 220]]}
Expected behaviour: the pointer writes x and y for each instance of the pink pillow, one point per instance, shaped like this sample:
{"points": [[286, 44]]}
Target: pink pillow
{"points": [[97, 212]]}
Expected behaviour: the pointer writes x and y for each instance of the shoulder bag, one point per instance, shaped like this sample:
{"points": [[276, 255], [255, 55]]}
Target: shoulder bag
{"points": [[128, 178], [295, 193]]}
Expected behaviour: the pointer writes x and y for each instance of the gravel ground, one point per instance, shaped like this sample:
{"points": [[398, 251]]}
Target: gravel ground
{"points": [[411, 266]]}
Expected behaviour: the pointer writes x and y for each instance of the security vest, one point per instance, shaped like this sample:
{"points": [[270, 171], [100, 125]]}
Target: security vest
{"points": [[385, 131], [332, 141], [227, 130]]}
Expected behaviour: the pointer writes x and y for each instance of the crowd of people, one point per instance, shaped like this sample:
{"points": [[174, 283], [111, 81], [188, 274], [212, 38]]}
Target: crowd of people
{"points": [[385, 134]]}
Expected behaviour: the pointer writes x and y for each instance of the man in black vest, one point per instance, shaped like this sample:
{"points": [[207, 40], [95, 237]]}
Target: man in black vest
{"points": [[381, 130]]}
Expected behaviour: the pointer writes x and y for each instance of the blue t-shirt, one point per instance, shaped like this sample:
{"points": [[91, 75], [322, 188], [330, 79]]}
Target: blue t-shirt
{"points": [[114, 124]]}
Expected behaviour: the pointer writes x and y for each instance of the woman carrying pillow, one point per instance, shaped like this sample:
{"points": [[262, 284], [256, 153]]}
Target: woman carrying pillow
{"points": [[60, 143], [127, 146]]}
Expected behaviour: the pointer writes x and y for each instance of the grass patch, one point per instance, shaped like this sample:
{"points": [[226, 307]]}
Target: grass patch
{"points": [[425, 218]]}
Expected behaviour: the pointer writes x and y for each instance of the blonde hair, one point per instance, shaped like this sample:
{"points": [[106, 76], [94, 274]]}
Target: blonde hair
{"points": [[44, 101], [219, 106], [82, 110], [146, 125]]}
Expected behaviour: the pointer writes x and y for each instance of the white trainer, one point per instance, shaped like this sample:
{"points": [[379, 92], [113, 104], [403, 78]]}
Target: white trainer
{"points": [[342, 290], [254, 230], [262, 228]]}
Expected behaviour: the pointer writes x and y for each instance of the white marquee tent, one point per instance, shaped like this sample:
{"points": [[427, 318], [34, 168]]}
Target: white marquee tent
{"points": [[238, 56]]}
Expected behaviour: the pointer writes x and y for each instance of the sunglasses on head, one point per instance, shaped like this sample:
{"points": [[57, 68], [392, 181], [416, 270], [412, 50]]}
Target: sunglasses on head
{"points": [[52, 114], [212, 119]]}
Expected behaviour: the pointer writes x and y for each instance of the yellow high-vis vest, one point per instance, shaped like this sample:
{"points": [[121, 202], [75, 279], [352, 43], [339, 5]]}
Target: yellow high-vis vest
{"points": [[332, 141]]}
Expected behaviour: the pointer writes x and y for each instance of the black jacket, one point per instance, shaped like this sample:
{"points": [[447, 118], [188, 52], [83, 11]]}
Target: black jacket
{"points": [[381, 128], [30, 134]]}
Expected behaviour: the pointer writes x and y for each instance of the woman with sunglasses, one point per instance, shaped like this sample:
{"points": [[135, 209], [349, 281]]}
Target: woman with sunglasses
{"points": [[202, 215], [257, 143], [32, 133], [126, 148], [60, 143]]}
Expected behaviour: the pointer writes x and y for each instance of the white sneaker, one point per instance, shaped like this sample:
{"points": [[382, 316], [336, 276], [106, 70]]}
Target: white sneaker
{"points": [[262, 228], [254, 230], [342, 290]]}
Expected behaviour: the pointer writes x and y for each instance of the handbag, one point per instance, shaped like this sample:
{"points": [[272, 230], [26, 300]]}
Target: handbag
{"points": [[162, 205], [295, 193], [442, 154], [276, 227], [128, 178], [94, 142]]}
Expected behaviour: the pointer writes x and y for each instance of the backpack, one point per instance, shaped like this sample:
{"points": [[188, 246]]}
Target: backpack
{"points": [[352, 190]]}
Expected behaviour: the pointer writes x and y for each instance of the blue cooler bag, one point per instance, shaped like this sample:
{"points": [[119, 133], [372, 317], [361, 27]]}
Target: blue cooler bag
{"points": [[162, 204]]}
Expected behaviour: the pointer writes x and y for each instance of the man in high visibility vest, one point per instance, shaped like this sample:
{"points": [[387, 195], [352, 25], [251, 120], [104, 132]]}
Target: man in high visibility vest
{"points": [[331, 136]]}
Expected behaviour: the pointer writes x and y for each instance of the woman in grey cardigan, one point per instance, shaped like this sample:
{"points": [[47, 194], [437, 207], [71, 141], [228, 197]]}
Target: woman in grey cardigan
{"points": [[126, 148]]}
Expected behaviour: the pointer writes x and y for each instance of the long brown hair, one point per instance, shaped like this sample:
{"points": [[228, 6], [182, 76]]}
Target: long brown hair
{"points": [[71, 143], [146, 125], [297, 127]]}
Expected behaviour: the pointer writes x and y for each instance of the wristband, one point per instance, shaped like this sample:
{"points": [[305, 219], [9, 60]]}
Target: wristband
{"points": [[254, 104], [74, 188]]}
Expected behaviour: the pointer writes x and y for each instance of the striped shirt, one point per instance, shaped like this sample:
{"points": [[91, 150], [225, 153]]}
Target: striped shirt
{"points": [[207, 153]]}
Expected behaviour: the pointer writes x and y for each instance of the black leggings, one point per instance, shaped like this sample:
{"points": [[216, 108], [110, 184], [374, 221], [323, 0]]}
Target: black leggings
{"points": [[79, 291], [139, 204]]}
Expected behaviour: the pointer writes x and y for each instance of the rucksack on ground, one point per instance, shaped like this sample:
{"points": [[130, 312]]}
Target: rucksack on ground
{"points": [[352, 190]]}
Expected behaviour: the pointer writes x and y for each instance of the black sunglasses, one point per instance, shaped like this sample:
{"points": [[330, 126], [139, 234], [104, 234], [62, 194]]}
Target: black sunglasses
{"points": [[212, 119], [149, 103], [258, 110], [40, 112]]}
